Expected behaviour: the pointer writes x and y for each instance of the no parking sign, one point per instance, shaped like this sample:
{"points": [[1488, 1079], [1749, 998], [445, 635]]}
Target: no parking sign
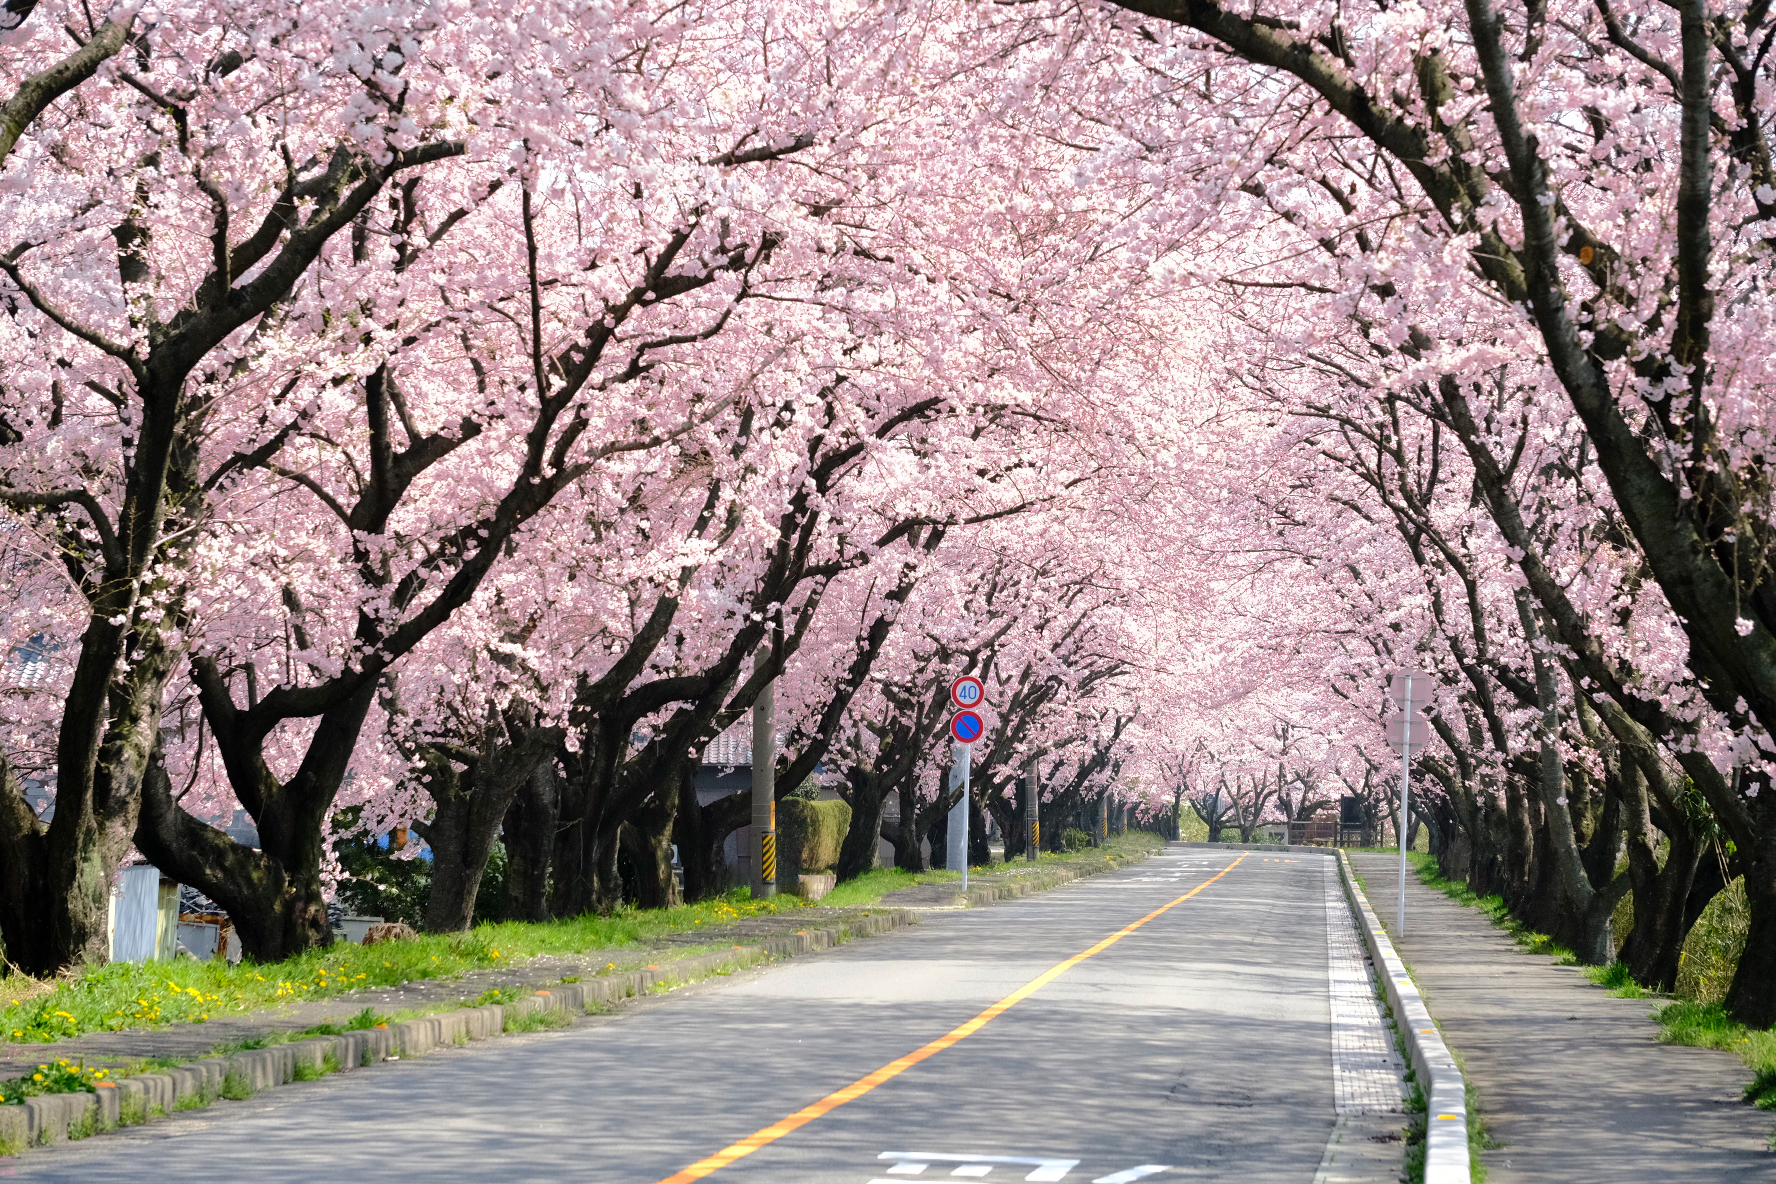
{"points": [[966, 727]]}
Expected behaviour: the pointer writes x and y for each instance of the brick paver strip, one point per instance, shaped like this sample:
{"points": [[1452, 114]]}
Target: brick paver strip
{"points": [[1365, 1067], [1570, 1079]]}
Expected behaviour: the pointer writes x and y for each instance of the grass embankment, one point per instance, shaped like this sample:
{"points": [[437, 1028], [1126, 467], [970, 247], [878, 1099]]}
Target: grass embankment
{"points": [[153, 994], [146, 995]]}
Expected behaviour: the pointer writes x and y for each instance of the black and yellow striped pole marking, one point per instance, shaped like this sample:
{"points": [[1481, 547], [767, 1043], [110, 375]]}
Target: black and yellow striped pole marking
{"points": [[768, 857]]}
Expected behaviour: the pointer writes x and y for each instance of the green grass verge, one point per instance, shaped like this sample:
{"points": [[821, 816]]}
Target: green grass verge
{"points": [[1713, 945], [1617, 980], [870, 887], [1707, 1025], [146, 995]]}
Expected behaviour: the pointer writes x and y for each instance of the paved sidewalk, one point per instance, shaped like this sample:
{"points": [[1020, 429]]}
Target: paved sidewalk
{"points": [[1571, 1080]]}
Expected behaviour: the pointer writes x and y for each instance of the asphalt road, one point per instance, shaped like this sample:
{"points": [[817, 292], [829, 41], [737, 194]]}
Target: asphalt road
{"points": [[1198, 1043]]}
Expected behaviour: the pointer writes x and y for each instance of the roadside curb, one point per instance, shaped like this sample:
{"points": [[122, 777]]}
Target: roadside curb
{"points": [[53, 1118], [1446, 1092], [1296, 849], [1031, 879]]}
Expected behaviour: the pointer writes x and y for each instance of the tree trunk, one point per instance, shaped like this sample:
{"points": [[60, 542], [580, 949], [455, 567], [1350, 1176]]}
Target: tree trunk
{"points": [[980, 853], [1578, 914], [274, 895], [1751, 998], [470, 807], [699, 854], [647, 840], [1008, 811], [529, 835], [456, 875], [110, 729], [607, 880], [570, 884], [585, 863], [1654, 947], [24, 880], [272, 912], [937, 832], [906, 835], [857, 854]]}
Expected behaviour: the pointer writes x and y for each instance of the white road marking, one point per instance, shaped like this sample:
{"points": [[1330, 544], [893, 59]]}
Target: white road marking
{"points": [[1045, 1169], [1146, 1169]]}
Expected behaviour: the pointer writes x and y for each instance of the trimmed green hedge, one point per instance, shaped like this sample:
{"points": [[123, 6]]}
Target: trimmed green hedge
{"points": [[809, 834]]}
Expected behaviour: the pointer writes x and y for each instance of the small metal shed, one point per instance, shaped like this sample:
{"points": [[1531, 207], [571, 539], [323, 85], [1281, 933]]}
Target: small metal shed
{"points": [[144, 915]]}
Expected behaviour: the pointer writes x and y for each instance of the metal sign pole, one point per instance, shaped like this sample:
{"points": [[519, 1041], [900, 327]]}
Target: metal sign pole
{"points": [[956, 854], [1409, 690], [1405, 793], [966, 726]]}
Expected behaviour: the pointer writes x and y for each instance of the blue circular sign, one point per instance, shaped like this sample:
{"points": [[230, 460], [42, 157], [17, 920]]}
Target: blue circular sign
{"points": [[966, 727]]}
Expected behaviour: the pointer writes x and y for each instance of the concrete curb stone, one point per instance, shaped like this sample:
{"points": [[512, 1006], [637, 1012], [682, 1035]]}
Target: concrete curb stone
{"points": [[1293, 849], [1445, 1090]]}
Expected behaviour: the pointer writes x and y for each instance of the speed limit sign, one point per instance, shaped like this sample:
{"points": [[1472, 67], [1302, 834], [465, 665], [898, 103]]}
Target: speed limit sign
{"points": [[967, 691]]}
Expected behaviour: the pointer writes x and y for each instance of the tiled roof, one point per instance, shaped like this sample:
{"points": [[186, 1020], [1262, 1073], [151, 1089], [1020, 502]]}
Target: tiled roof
{"points": [[731, 748], [25, 668]]}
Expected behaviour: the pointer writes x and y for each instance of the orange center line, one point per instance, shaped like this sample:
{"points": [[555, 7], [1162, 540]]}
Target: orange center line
{"points": [[894, 1068]]}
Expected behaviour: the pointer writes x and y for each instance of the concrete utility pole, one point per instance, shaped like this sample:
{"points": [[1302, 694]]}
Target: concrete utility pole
{"points": [[1032, 824], [956, 853], [1104, 818], [764, 787]]}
